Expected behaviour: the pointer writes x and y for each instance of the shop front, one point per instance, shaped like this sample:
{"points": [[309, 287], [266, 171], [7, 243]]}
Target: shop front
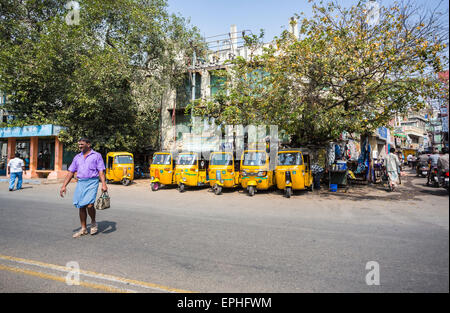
{"points": [[38, 146]]}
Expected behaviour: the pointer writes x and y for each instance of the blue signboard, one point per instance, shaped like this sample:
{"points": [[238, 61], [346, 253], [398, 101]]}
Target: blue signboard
{"points": [[382, 132], [30, 131]]}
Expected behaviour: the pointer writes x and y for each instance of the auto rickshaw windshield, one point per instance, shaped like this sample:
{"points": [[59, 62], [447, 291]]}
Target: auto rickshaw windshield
{"points": [[222, 159], [290, 158], [186, 159], [254, 158], [162, 159], [123, 159]]}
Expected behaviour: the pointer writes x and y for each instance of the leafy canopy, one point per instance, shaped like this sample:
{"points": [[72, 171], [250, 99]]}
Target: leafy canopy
{"points": [[102, 78], [341, 74]]}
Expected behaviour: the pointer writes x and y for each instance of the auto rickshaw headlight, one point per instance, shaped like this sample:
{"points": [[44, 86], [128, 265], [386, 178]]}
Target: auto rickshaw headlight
{"points": [[184, 178]]}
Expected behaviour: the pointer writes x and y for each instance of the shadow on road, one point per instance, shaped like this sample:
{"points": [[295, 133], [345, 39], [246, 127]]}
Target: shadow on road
{"points": [[106, 227], [435, 192]]}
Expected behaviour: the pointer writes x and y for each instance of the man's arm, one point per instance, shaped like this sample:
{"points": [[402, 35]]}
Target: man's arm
{"points": [[103, 180], [67, 180]]}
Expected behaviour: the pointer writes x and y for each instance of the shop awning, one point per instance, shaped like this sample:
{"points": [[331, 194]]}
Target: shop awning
{"points": [[400, 135], [31, 131]]}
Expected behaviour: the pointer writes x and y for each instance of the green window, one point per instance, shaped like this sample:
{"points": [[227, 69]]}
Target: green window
{"points": [[217, 83], [184, 90]]}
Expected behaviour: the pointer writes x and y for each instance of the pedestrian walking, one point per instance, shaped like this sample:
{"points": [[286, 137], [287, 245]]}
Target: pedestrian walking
{"points": [[393, 168], [409, 159], [89, 167], [16, 167]]}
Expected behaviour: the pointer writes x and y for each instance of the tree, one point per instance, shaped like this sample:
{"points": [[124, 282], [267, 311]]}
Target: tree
{"points": [[102, 78], [341, 74]]}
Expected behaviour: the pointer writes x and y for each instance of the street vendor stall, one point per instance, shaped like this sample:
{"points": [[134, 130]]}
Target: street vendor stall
{"points": [[338, 175]]}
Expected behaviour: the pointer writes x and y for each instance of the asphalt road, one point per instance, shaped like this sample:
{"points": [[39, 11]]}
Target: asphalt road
{"points": [[196, 241]]}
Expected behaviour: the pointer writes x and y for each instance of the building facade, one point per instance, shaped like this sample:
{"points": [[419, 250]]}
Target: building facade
{"points": [[39, 147]]}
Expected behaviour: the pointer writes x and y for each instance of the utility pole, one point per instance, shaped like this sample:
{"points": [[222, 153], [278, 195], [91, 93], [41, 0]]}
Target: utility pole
{"points": [[194, 61]]}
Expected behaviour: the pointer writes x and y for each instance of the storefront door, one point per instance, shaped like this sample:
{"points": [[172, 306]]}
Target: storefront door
{"points": [[46, 154]]}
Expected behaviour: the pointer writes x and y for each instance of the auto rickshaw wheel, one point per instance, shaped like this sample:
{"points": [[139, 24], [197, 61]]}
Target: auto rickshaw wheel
{"points": [[251, 191], [155, 186], [126, 181], [217, 189], [288, 192], [181, 187]]}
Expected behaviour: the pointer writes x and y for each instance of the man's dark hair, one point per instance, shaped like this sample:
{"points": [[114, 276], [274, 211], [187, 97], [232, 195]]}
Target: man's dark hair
{"points": [[86, 140], [17, 155], [392, 150]]}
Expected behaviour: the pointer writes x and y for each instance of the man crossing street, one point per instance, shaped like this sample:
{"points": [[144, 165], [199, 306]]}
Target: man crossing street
{"points": [[89, 167]]}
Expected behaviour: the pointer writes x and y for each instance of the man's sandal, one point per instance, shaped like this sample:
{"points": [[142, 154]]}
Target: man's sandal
{"points": [[94, 229], [80, 233]]}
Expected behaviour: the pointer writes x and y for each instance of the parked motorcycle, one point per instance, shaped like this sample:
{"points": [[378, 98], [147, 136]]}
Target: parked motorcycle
{"points": [[434, 177]]}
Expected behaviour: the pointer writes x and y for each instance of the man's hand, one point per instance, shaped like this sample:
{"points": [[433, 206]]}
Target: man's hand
{"points": [[104, 188], [62, 191]]}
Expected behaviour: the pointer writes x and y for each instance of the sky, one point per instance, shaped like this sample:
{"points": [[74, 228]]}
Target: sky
{"points": [[214, 17]]}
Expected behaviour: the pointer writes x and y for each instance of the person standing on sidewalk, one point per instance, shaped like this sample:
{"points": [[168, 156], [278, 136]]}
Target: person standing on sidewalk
{"points": [[392, 164], [89, 167], [16, 167]]}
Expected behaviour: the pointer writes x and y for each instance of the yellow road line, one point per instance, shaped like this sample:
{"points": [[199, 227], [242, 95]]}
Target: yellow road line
{"points": [[95, 275], [61, 279]]}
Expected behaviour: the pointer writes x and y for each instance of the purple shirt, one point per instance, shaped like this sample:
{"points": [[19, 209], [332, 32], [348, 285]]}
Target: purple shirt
{"points": [[88, 167]]}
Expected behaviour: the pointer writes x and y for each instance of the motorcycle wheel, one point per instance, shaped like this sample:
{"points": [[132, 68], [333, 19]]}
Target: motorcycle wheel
{"points": [[251, 191], [155, 186], [181, 187], [126, 181], [217, 189]]}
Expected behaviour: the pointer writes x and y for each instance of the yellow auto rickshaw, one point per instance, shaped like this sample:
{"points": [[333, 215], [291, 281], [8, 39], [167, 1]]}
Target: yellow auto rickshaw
{"points": [[222, 173], [190, 170], [119, 167], [293, 171], [255, 172], [162, 170]]}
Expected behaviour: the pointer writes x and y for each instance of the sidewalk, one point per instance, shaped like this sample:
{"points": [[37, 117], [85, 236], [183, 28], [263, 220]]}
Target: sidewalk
{"points": [[36, 181]]}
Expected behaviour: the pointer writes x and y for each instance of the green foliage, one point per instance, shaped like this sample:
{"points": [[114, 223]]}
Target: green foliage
{"points": [[340, 75], [103, 78]]}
